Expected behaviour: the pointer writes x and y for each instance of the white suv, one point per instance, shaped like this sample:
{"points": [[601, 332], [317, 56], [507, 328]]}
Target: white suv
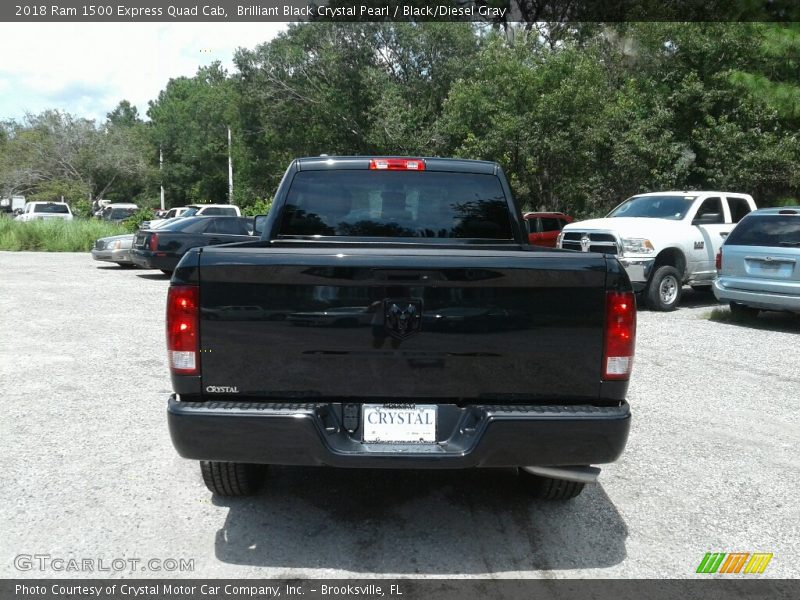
{"points": [[664, 239], [35, 211]]}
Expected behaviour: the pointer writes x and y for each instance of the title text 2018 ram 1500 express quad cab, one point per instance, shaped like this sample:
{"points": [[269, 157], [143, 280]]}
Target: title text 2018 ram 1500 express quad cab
{"points": [[663, 239], [434, 335]]}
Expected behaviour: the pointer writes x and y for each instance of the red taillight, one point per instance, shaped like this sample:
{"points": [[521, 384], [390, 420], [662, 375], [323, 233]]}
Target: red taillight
{"points": [[718, 262], [620, 335], [183, 343], [397, 164], [152, 243]]}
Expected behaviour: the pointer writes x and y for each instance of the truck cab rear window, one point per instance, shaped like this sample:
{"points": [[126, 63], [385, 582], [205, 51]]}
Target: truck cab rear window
{"points": [[426, 204], [51, 208]]}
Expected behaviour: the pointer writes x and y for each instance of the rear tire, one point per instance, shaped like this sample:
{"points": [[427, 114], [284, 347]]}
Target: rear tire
{"points": [[232, 479], [742, 310], [547, 488], [664, 291]]}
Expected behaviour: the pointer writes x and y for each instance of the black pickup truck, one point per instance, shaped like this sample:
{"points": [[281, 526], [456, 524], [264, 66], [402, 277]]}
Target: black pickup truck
{"points": [[394, 315]]}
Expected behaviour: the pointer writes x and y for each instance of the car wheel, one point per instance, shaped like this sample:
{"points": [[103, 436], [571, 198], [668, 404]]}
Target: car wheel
{"points": [[547, 488], [232, 479], [664, 291], [742, 310]]}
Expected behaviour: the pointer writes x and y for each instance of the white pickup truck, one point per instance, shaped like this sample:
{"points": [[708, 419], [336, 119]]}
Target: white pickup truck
{"points": [[664, 239]]}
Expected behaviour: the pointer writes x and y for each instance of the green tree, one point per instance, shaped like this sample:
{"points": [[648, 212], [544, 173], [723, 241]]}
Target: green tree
{"points": [[189, 122], [55, 154], [356, 88], [771, 75]]}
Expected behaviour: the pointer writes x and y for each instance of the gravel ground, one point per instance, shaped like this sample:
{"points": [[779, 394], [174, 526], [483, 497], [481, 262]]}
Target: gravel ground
{"points": [[89, 470]]}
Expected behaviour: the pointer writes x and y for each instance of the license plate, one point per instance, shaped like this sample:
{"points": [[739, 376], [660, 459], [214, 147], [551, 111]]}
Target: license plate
{"points": [[392, 423]]}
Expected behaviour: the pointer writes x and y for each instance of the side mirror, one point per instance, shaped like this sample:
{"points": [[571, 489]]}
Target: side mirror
{"points": [[259, 224], [708, 219]]}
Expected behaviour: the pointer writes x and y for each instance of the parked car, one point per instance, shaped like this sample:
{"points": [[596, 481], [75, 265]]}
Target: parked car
{"points": [[759, 263], [196, 210], [162, 247], [414, 279], [116, 249], [544, 227], [663, 239], [35, 211], [118, 212]]}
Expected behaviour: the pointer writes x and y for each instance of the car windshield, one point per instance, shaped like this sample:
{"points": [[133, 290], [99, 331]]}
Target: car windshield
{"points": [[190, 212], [654, 207], [427, 204], [121, 213], [766, 230], [51, 208]]}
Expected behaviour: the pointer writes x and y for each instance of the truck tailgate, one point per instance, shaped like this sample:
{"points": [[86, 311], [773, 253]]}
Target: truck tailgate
{"points": [[402, 324]]}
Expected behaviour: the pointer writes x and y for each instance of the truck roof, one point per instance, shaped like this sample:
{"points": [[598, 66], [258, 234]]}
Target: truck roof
{"points": [[319, 163]]}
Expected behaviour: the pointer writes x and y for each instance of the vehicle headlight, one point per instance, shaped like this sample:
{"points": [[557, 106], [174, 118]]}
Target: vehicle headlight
{"points": [[559, 238], [637, 246]]}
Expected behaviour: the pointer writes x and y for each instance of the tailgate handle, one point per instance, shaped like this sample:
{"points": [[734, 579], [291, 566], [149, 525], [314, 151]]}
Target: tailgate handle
{"points": [[770, 259], [399, 275]]}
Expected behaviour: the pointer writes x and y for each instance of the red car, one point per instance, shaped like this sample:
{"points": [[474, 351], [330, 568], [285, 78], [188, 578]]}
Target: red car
{"points": [[544, 227]]}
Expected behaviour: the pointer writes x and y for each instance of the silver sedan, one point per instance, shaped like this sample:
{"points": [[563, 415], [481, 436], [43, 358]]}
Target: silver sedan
{"points": [[116, 249]]}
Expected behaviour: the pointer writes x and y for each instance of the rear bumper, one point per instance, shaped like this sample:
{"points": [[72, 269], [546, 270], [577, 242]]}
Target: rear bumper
{"points": [[473, 436], [756, 299], [151, 260]]}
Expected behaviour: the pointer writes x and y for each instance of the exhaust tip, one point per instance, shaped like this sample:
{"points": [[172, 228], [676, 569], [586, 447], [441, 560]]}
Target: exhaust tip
{"points": [[579, 474]]}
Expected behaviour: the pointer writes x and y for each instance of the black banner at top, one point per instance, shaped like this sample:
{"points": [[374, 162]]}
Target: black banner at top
{"points": [[486, 11]]}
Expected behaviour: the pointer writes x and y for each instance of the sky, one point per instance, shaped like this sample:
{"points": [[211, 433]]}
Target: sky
{"points": [[87, 68]]}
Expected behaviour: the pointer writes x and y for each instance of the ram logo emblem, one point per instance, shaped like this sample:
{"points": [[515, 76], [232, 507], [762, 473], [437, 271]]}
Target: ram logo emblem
{"points": [[402, 317]]}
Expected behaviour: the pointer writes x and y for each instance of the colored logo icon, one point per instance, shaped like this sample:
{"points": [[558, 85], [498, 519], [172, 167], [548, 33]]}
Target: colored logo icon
{"points": [[734, 562]]}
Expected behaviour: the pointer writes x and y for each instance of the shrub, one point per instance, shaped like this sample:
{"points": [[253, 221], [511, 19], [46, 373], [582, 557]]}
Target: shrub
{"points": [[143, 214], [259, 207], [55, 235], [82, 209]]}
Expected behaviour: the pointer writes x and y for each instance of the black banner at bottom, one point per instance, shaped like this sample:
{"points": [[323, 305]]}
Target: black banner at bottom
{"points": [[398, 589]]}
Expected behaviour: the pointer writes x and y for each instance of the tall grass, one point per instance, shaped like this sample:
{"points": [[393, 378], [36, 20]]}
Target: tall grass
{"points": [[54, 236]]}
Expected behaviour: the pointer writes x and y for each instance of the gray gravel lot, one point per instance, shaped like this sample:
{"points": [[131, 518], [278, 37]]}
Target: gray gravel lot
{"points": [[89, 471]]}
